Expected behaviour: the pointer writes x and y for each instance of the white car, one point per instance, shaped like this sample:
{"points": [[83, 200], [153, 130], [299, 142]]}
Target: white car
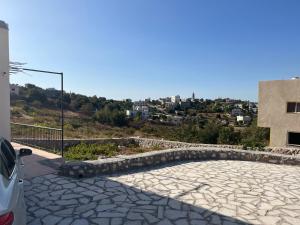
{"points": [[12, 205]]}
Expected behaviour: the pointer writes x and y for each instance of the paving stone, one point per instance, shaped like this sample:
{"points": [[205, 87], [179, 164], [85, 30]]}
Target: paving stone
{"points": [[84, 200], [99, 197], [70, 196], [200, 222], [89, 193], [69, 185], [269, 220], [174, 204], [120, 198], [110, 214], [80, 222], [65, 221], [175, 214], [101, 221], [116, 221], [165, 222], [133, 222], [65, 212], [101, 208], [51, 220], [182, 222], [134, 216], [40, 213], [84, 208], [150, 218], [196, 193], [67, 202], [88, 213], [37, 221], [163, 201], [110, 184]]}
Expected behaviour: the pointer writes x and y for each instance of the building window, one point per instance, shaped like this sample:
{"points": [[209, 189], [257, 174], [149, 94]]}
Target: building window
{"points": [[293, 107], [293, 138]]}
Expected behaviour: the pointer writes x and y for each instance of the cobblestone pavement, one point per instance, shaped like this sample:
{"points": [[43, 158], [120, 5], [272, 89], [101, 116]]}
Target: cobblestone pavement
{"points": [[196, 193]]}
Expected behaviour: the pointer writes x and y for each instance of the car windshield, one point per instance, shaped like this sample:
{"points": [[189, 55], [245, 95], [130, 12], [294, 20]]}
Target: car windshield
{"points": [[8, 157]]}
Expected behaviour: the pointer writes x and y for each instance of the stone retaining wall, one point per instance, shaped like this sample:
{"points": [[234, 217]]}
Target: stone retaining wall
{"points": [[148, 142], [143, 142], [125, 163]]}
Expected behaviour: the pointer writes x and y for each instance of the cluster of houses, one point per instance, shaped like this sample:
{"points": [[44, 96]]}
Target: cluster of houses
{"points": [[139, 108], [144, 110], [239, 112]]}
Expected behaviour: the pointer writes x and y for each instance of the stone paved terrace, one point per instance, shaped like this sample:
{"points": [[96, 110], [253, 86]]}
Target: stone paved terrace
{"points": [[195, 193]]}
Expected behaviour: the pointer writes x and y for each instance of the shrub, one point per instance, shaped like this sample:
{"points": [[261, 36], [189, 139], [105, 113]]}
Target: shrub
{"points": [[84, 151], [227, 135], [255, 137]]}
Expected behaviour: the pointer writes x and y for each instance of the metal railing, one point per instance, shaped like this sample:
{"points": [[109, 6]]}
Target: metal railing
{"points": [[47, 138]]}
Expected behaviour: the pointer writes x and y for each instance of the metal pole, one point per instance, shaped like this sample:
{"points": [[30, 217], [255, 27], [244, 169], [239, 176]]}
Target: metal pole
{"points": [[62, 115], [62, 99]]}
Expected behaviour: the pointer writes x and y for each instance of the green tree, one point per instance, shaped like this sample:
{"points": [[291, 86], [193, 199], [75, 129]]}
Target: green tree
{"points": [[87, 109], [227, 135], [255, 137]]}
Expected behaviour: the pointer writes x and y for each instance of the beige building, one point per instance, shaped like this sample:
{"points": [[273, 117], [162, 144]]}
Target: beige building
{"points": [[4, 83], [279, 110]]}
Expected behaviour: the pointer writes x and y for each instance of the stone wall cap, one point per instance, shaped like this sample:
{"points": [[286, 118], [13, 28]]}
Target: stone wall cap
{"points": [[3, 25]]}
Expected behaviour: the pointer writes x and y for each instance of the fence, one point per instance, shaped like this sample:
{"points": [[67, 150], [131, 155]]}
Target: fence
{"points": [[47, 138]]}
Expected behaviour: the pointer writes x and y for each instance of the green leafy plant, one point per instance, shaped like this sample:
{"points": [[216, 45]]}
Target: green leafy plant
{"points": [[84, 151]]}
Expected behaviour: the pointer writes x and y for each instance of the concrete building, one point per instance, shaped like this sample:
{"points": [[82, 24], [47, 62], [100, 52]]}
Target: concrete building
{"points": [[4, 82], [279, 110], [237, 112], [175, 99], [238, 106], [170, 105], [243, 119], [185, 104], [143, 110]]}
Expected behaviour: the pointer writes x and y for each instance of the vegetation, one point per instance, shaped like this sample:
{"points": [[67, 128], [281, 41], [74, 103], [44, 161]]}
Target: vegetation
{"points": [[98, 117], [84, 151], [90, 151], [255, 137]]}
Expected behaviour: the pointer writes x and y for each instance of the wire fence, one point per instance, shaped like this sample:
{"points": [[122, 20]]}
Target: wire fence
{"points": [[47, 138]]}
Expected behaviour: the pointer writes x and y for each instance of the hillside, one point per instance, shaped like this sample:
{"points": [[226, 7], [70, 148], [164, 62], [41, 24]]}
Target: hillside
{"points": [[98, 117]]}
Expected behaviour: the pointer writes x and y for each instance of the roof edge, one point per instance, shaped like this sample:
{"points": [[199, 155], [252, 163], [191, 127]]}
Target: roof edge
{"points": [[3, 25]]}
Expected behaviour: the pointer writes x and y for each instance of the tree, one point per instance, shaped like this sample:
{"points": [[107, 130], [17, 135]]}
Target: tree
{"points": [[118, 119], [255, 137], [227, 135], [87, 109], [210, 133]]}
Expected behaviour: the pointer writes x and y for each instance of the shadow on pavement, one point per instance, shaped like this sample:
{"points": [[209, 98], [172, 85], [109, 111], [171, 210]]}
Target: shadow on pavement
{"points": [[53, 199]]}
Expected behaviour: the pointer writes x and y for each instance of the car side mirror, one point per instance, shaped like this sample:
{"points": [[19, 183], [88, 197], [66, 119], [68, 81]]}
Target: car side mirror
{"points": [[25, 152]]}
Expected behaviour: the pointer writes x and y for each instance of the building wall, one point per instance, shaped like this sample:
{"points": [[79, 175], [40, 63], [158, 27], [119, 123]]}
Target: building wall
{"points": [[4, 83], [272, 111]]}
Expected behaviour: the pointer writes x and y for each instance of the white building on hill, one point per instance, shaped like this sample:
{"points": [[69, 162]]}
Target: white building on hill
{"points": [[175, 99]]}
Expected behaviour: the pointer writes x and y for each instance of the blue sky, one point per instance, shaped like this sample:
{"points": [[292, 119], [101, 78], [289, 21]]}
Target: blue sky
{"points": [[154, 48]]}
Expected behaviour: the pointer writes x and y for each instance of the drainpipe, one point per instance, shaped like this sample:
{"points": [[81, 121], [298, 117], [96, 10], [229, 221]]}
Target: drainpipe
{"points": [[4, 83]]}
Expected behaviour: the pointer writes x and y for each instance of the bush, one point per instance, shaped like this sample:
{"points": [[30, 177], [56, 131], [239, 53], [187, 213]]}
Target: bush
{"points": [[227, 135], [111, 117], [255, 137], [84, 151]]}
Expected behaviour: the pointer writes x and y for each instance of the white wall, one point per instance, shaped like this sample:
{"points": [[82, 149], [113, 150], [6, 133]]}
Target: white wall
{"points": [[4, 83]]}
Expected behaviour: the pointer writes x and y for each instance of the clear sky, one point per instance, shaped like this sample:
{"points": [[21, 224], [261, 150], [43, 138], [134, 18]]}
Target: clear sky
{"points": [[155, 48]]}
